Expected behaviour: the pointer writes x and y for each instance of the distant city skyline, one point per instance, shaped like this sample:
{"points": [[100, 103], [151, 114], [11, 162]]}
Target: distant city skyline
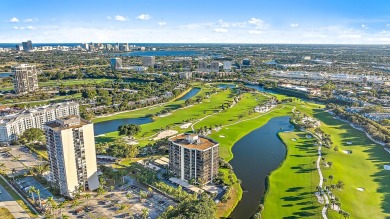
{"points": [[201, 21]]}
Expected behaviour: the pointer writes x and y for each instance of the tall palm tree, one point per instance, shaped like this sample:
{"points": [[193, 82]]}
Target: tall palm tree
{"points": [[39, 197], [31, 190], [61, 205]]}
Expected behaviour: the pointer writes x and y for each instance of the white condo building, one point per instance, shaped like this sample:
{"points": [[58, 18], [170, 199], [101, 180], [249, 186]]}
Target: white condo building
{"points": [[70, 144], [12, 126]]}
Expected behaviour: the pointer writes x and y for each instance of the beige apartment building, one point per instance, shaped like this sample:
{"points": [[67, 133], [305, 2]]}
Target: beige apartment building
{"points": [[25, 78], [71, 147], [193, 157]]}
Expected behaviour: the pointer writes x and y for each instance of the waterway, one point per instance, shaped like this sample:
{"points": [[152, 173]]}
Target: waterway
{"points": [[5, 74], [224, 86], [190, 94], [255, 156], [113, 125]]}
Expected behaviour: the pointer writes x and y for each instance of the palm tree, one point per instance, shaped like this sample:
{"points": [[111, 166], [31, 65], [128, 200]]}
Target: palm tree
{"points": [[87, 196], [31, 191], [145, 213], [39, 197], [51, 204], [61, 205]]}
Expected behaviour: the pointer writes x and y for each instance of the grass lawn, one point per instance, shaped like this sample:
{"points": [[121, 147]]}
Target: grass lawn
{"points": [[294, 198], [361, 169], [5, 214], [18, 199], [73, 82], [174, 120]]}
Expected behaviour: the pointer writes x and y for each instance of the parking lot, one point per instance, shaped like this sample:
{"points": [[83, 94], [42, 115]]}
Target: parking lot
{"points": [[26, 182], [18, 159], [122, 204]]}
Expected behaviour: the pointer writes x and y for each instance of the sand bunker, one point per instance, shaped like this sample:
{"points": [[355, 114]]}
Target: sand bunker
{"points": [[132, 142], [347, 152], [387, 167], [222, 136], [349, 143], [361, 189], [165, 134], [293, 139], [186, 125]]}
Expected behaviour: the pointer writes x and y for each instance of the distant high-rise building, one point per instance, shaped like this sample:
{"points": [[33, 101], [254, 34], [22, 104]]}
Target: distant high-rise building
{"points": [[19, 47], [124, 47], [246, 62], [27, 46], [149, 61], [227, 65], [202, 65], [193, 157], [85, 46], [25, 78], [116, 63], [70, 144], [214, 66]]}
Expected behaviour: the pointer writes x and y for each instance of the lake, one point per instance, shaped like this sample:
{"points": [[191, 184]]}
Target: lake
{"points": [[255, 156], [190, 94], [112, 125], [5, 74], [224, 86]]}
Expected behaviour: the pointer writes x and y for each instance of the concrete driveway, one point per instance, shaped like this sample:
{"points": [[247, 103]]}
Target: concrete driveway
{"points": [[8, 202]]}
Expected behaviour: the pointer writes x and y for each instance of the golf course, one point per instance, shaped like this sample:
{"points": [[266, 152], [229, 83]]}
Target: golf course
{"points": [[229, 114]]}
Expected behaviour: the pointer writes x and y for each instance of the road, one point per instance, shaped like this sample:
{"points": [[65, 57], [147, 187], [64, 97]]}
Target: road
{"points": [[8, 202]]}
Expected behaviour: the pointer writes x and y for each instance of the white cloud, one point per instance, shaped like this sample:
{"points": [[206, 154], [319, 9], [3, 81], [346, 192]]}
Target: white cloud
{"points": [[162, 23], [364, 26], [143, 17], [255, 21], [109, 18], [24, 28], [220, 30], [14, 20], [294, 25], [387, 25], [255, 32], [120, 18], [30, 20], [260, 24]]}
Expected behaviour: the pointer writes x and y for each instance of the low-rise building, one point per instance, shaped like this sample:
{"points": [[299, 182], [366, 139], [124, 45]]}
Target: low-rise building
{"points": [[13, 125]]}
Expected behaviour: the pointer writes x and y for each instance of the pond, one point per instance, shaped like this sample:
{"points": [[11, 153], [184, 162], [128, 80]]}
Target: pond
{"points": [[190, 94], [224, 86], [255, 156], [112, 125]]}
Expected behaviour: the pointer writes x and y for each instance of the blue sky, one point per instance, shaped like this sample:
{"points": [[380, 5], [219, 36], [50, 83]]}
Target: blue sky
{"points": [[196, 21]]}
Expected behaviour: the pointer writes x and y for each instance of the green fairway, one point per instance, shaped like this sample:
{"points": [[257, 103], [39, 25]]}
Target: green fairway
{"points": [[294, 197], [292, 186], [361, 169], [174, 120]]}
